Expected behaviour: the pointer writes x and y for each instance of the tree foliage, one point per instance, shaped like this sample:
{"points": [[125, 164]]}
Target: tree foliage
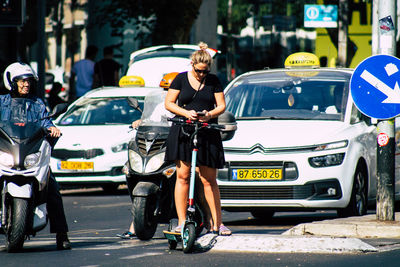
{"points": [[166, 21]]}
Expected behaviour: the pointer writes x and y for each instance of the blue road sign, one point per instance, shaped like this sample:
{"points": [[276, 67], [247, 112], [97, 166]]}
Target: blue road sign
{"points": [[320, 16], [374, 86]]}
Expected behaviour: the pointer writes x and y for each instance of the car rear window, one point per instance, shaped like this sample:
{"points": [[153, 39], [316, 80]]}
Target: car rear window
{"points": [[166, 52]]}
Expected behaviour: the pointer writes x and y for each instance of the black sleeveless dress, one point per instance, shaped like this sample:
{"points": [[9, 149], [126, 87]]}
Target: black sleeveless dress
{"points": [[210, 150]]}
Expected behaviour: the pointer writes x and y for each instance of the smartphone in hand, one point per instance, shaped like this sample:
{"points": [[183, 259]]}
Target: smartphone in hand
{"points": [[200, 113]]}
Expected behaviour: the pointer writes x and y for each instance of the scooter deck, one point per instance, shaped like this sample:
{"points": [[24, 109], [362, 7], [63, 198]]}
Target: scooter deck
{"points": [[173, 236]]}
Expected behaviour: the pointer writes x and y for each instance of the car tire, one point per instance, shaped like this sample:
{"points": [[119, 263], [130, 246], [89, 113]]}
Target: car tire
{"points": [[359, 199], [262, 214]]}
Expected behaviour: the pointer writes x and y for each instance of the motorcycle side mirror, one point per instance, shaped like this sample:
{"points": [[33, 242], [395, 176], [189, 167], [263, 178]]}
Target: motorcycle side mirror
{"points": [[57, 110], [133, 102]]}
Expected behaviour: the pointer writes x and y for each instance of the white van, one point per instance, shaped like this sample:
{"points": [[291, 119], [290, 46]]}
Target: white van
{"points": [[154, 62]]}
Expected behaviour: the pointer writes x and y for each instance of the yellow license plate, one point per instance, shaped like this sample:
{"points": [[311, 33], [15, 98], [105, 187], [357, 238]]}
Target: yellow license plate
{"points": [[257, 174], [76, 165]]}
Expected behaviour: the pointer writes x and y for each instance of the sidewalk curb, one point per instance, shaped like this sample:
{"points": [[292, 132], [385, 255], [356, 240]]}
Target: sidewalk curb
{"points": [[359, 227]]}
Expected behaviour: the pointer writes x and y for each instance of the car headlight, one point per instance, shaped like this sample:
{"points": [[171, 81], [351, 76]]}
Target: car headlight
{"points": [[119, 148], [31, 160], [135, 160], [155, 162], [6, 159], [326, 160], [334, 145]]}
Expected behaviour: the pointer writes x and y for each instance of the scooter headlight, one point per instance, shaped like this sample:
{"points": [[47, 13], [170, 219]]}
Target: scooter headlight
{"points": [[155, 162], [6, 159], [135, 160], [31, 160]]}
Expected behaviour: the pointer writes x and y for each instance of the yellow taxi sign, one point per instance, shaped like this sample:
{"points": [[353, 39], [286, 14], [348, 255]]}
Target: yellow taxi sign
{"points": [[131, 81], [302, 59]]}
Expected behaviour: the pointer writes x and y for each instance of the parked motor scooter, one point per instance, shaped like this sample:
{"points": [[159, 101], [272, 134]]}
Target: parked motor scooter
{"points": [[151, 180], [25, 149]]}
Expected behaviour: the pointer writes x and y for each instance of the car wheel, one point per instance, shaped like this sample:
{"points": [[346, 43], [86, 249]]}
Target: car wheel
{"points": [[262, 214], [358, 201]]}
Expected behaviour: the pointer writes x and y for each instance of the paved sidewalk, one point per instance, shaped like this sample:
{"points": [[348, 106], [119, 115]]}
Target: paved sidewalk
{"points": [[361, 227], [343, 235]]}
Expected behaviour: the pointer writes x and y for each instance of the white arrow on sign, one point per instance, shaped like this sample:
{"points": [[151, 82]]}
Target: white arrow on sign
{"points": [[393, 95]]}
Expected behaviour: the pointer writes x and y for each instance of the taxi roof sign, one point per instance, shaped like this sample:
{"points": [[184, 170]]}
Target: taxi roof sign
{"points": [[131, 81], [302, 59]]}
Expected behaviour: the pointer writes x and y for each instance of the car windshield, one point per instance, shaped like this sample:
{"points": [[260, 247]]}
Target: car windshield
{"points": [[101, 111], [290, 94]]}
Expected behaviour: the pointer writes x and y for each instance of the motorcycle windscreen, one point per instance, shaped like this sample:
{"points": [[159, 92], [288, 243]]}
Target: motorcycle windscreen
{"points": [[154, 112], [22, 121]]}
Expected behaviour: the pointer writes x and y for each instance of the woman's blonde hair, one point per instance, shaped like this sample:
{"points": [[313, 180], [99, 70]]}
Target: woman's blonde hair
{"points": [[202, 55]]}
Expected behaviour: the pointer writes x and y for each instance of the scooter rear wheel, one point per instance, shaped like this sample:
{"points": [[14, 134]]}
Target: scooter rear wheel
{"points": [[188, 237]]}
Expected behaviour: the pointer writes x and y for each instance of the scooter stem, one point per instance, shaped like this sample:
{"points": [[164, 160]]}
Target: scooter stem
{"points": [[192, 177]]}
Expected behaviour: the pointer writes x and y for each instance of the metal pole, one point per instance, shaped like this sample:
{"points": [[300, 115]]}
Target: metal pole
{"points": [[385, 203], [342, 32], [229, 54], [41, 52]]}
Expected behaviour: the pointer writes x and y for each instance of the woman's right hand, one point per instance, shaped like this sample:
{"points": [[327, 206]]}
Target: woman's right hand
{"points": [[191, 115]]}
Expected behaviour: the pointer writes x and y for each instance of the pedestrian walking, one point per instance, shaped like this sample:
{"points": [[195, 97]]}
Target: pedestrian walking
{"points": [[106, 71], [82, 73]]}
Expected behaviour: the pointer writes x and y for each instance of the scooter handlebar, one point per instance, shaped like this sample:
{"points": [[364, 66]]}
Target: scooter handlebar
{"points": [[183, 121]]}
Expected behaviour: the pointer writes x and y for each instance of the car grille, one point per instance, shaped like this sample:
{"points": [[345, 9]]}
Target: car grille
{"points": [[65, 154], [266, 192]]}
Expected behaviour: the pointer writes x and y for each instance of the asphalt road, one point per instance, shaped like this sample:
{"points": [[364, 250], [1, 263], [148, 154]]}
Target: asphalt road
{"points": [[95, 218]]}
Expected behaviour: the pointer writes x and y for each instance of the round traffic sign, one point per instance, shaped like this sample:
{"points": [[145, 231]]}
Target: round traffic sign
{"points": [[374, 86]]}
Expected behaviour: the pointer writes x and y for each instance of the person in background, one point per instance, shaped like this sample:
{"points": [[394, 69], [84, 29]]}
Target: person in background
{"points": [[106, 71], [19, 79], [191, 92], [82, 73], [54, 99]]}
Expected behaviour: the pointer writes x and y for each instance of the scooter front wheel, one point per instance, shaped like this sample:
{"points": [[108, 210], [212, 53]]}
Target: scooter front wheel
{"points": [[144, 220], [188, 237], [16, 224]]}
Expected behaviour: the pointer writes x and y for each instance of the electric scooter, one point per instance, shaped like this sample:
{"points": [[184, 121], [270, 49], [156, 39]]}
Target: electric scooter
{"points": [[190, 228]]}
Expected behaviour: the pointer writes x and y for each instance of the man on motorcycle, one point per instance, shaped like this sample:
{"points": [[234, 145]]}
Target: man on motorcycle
{"points": [[19, 78]]}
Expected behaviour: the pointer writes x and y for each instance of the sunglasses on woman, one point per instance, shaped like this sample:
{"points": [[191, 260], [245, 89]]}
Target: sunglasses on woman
{"points": [[201, 71]]}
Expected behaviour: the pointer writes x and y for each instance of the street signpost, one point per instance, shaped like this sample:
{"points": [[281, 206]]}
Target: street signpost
{"points": [[374, 87]]}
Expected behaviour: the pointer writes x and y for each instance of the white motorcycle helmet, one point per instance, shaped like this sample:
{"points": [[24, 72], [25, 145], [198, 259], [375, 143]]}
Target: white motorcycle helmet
{"points": [[17, 71]]}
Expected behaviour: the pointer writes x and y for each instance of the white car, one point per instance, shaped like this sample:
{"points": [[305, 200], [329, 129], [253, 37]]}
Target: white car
{"points": [[300, 144], [154, 62], [95, 130]]}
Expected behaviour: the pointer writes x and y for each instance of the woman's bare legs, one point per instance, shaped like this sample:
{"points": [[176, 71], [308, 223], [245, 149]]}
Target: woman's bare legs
{"points": [[211, 191], [182, 189]]}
